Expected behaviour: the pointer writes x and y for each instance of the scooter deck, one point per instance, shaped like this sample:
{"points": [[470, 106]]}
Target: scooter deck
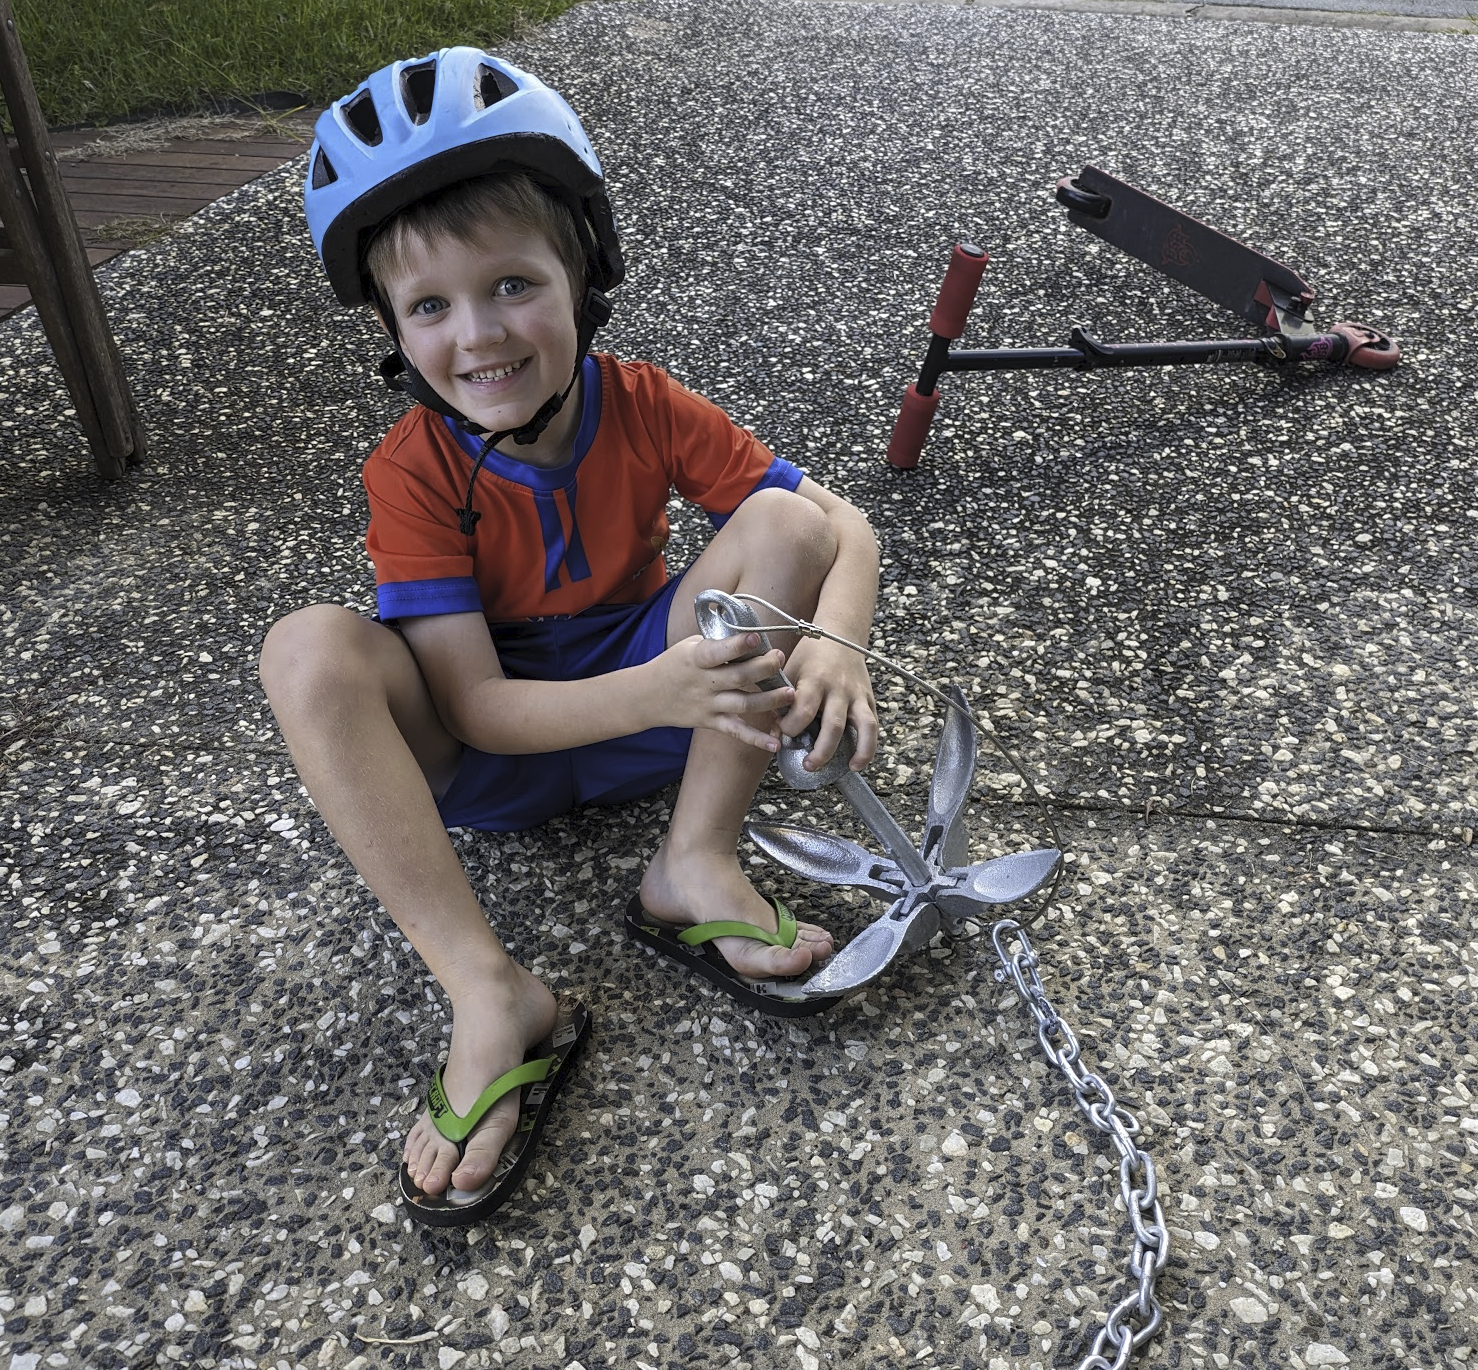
{"points": [[1210, 263]]}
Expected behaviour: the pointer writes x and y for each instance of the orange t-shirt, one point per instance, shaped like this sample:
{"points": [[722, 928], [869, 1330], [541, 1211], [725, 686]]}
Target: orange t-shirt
{"points": [[555, 542]]}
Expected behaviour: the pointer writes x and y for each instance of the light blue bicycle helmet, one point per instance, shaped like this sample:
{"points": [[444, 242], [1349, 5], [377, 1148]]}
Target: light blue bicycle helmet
{"points": [[416, 127]]}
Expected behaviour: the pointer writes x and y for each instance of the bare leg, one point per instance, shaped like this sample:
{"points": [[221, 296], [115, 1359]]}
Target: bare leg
{"points": [[368, 744], [779, 547]]}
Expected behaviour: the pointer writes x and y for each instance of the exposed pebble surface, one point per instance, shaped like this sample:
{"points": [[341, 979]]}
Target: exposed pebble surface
{"points": [[1224, 617]]}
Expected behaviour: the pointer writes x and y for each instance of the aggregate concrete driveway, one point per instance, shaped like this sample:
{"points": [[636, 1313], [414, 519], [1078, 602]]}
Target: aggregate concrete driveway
{"points": [[1224, 616], [1427, 16]]}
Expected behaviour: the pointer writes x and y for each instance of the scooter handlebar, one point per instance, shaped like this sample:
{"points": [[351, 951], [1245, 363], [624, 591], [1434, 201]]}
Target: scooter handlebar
{"points": [[957, 291], [911, 428]]}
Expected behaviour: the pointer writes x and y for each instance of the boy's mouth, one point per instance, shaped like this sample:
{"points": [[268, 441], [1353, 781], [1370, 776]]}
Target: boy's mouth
{"points": [[496, 373]]}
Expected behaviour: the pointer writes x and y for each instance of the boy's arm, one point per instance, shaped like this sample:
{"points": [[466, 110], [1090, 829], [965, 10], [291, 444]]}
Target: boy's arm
{"points": [[832, 684], [697, 686]]}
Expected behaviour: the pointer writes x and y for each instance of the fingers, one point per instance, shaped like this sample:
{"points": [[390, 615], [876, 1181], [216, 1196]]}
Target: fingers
{"points": [[827, 728], [734, 726], [829, 723], [751, 702], [712, 654], [865, 721], [746, 706], [740, 683]]}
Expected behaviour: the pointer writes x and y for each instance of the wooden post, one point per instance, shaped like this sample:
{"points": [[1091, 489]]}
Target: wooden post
{"points": [[48, 243], [19, 216]]}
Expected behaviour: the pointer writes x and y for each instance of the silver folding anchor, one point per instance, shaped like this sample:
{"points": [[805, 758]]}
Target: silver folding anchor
{"points": [[928, 887]]}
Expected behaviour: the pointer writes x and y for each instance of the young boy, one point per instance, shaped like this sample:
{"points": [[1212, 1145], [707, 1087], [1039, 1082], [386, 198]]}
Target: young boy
{"points": [[530, 651]]}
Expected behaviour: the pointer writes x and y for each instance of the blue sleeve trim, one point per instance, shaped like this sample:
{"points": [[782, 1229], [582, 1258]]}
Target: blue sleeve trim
{"points": [[414, 598], [781, 476]]}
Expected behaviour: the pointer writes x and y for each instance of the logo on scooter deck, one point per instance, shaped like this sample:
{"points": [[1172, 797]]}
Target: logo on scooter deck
{"points": [[1177, 249]]}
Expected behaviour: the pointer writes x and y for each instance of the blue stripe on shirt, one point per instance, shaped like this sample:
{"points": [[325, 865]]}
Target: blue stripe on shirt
{"points": [[554, 536], [575, 562]]}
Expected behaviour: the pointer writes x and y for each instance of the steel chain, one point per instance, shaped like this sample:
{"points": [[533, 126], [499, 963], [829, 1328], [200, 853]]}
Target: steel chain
{"points": [[1131, 1322]]}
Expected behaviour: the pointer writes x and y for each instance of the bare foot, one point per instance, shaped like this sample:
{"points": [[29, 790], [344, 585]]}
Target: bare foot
{"points": [[492, 1031], [709, 889]]}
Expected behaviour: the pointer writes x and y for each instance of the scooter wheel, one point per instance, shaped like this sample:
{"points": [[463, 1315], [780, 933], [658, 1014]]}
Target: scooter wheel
{"points": [[1088, 202], [1370, 349]]}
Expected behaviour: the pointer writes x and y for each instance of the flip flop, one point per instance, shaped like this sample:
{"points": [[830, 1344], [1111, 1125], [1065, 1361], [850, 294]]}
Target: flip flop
{"points": [[540, 1076], [690, 944]]}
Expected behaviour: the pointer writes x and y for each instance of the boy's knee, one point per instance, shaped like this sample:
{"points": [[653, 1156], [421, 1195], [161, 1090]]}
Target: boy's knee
{"points": [[301, 646], [794, 524]]}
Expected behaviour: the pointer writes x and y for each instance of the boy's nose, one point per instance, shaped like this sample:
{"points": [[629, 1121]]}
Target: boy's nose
{"points": [[478, 325]]}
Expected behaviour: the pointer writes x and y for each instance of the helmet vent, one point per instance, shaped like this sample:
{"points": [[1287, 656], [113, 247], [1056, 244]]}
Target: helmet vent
{"points": [[418, 90], [364, 119], [492, 86], [323, 171]]}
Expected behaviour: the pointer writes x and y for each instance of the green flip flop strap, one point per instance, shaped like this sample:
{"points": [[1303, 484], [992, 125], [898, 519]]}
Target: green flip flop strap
{"points": [[700, 933], [457, 1127]]}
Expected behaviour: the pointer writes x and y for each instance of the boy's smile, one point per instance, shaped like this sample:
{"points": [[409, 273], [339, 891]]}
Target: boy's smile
{"points": [[491, 326]]}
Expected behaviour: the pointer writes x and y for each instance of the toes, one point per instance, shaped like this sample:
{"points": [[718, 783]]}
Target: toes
{"points": [[757, 959], [483, 1149], [789, 960], [415, 1143], [430, 1159], [420, 1147], [817, 941], [438, 1163]]}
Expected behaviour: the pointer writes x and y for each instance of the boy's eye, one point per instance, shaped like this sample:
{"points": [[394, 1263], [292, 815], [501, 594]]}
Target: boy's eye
{"points": [[512, 285], [424, 309]]}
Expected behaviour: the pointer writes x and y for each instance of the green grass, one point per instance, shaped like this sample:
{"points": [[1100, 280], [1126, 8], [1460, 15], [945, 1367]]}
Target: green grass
{"points": [[95, 60]]}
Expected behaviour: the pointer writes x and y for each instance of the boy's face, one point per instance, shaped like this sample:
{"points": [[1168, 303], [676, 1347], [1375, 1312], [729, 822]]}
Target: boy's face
{"points": [[491, 326]]}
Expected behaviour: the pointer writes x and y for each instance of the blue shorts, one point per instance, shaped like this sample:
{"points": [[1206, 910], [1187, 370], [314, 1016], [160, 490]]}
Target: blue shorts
{"points": [[508, 793]]}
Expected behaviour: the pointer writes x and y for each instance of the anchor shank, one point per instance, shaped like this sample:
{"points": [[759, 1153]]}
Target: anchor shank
{"points": [[879, 822]]}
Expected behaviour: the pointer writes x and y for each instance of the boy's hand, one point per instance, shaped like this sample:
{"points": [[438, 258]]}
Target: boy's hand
{"points": [[833, 689], [703, 686]]}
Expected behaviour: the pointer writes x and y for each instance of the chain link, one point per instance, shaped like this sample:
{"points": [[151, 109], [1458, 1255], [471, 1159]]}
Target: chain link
{"points": [[1131, 1322]]}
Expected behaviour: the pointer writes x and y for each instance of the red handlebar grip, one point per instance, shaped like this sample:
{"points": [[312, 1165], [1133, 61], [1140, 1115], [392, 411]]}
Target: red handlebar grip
{"points": [[957, 292], [911, 429]]}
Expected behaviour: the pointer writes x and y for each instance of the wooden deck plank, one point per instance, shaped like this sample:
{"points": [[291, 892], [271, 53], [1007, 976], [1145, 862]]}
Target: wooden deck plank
{"points": [[113, 202], [166, 183], [279, 149], [118, 206], [233, 130], [89, 219], [186, 159], [15, 290], [97, 187], [189, 153], [121, 174]]}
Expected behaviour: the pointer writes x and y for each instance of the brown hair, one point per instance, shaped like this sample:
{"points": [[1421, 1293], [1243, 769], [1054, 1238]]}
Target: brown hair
{"points": [[462, 211]]}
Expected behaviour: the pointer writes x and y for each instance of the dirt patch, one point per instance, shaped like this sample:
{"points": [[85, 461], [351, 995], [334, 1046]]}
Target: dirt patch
{"points": [[132, 230], [150, 135]]}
